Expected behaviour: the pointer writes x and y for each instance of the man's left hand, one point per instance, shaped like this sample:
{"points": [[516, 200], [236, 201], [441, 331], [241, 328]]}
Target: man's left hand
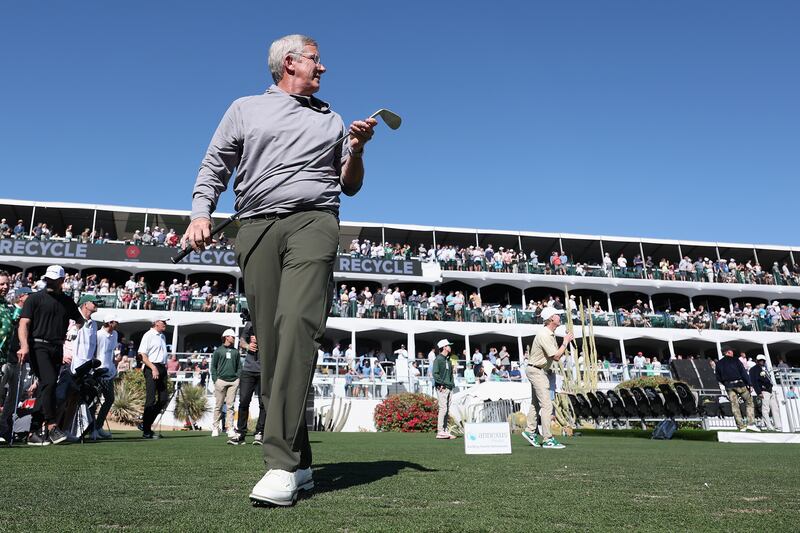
{"points": [[361, 132]]}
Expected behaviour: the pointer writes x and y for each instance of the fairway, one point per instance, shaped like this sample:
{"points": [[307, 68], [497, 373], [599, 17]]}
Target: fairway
{"points": [[406, 482]]}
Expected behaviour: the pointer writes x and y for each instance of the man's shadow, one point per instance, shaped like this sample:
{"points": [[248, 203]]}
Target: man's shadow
{"points": [[338, 476]]}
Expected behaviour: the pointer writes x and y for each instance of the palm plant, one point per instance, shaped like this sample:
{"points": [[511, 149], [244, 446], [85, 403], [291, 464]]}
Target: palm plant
{"points": [[191, 403], [128, 403]]}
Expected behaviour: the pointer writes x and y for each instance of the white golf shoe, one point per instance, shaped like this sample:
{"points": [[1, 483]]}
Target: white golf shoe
{"points": [[279, 487], [215, 432]]}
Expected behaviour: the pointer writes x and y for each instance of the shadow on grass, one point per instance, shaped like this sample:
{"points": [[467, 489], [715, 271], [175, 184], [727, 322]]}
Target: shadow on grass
{"points": [[338, 476]]}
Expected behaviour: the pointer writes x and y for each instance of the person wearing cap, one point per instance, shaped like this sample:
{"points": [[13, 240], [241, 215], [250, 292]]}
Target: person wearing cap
{"points": [[225, 367], [106, 344], [153, 351], [731, 374], [443, 383], [42, 330], [10, 372], [249, 384], [81, 347], [762, 385], [13, 367], [543, 352]]}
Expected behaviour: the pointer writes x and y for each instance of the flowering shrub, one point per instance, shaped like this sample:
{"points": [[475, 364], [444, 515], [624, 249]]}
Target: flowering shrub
{"points": [[407, 413]]}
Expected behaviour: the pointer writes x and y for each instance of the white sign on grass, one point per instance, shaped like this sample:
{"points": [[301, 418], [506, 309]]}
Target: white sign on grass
{"points": [[487, 438]]}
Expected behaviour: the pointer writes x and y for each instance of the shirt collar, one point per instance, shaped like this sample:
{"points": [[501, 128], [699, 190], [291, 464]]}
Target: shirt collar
{"points": [[311, 102]]}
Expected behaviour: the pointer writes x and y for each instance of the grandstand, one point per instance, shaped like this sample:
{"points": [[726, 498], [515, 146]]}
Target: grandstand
{"points": [[482, 289]]}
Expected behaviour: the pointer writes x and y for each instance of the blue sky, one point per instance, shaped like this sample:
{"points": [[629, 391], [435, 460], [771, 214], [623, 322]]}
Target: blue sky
{"points": [[655, 119]]}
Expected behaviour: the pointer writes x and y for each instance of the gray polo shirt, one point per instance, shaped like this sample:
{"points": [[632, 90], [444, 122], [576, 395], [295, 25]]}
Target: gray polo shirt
{"points": [[265, 138]]}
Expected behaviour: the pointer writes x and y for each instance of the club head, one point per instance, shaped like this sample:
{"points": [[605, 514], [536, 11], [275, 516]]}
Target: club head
{"points": [[389, 118]]}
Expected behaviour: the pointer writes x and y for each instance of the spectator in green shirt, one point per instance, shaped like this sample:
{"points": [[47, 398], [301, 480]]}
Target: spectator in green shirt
{"points": [[225, 367]]}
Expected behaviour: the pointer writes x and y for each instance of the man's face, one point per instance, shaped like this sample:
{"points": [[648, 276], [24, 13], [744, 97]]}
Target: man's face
{"points": [[3, 286], [307, 73], [161, 326], [556, 320]]}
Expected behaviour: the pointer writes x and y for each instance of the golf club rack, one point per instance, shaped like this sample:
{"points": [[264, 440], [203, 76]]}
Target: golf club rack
{"points": [[694, 396]]}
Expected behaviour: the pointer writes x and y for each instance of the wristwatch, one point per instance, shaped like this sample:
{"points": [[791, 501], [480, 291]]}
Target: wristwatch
{"points": [[358, 153]]}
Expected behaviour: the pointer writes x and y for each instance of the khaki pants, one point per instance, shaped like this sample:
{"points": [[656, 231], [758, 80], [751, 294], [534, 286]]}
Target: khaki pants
{"points": [[287, 265], [733, 395], [224, 392], [444, 394], [769, 410], [541, 411]]}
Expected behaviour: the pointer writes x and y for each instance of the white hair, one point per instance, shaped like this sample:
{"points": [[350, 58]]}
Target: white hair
{"points": [[284, 46]]}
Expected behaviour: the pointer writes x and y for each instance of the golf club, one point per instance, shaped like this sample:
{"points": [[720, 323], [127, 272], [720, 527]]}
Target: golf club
{"points": [[21, 371], [389, 118]]}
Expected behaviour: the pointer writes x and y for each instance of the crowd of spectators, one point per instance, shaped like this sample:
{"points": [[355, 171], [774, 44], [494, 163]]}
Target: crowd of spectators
{"points": [[155, 236], [479, 258], [138, 294], [487, 259]]}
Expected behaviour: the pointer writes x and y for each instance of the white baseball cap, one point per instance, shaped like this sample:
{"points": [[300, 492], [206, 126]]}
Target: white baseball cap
{"points": [[229, 333], [548, 313], [54, 272], [163, 318], [761, 357], [444, 342], [111, 317]]}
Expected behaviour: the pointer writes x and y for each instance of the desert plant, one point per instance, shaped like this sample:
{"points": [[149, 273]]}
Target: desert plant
{"points": [[191, 403], [128, 403], [646, 381], [407, 412]]}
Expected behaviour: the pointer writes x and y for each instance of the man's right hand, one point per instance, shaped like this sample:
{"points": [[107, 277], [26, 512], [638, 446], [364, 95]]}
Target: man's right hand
{"points": [[568, 338], [253, 344], [198, 234], [22, 354], [154, 370]]}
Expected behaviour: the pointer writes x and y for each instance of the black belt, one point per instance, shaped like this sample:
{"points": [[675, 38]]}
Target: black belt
{"points": [[539, 367], [44, 341], [280, 216]]}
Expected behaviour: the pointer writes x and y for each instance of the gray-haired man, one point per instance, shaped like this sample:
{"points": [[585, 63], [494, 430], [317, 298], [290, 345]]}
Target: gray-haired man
{"points": [[544, 350], [288, 238]]}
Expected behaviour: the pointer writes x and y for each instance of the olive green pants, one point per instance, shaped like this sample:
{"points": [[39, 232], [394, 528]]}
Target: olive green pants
{"points": [[287, 265]]}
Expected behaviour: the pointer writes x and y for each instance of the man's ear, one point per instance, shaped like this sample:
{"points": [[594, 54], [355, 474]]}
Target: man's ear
{"points": [[288, 64]]}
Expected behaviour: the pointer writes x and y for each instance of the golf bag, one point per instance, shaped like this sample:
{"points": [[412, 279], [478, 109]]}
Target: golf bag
{"points": [[665, 429]]}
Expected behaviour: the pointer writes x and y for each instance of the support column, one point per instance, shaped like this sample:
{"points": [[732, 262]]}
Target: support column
{"points": [[671, 346], [652, 307], [467, 347], [719, 350], [94, 221], [353, 343], [33, 220], [521, 352], [174, 339], [610, 306], [626, 375], [411, 346], [602, 252], [730, 303], [769, 358]]}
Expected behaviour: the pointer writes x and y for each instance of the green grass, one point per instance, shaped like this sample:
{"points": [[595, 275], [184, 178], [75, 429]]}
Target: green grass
{"points": [[405, 482]]}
